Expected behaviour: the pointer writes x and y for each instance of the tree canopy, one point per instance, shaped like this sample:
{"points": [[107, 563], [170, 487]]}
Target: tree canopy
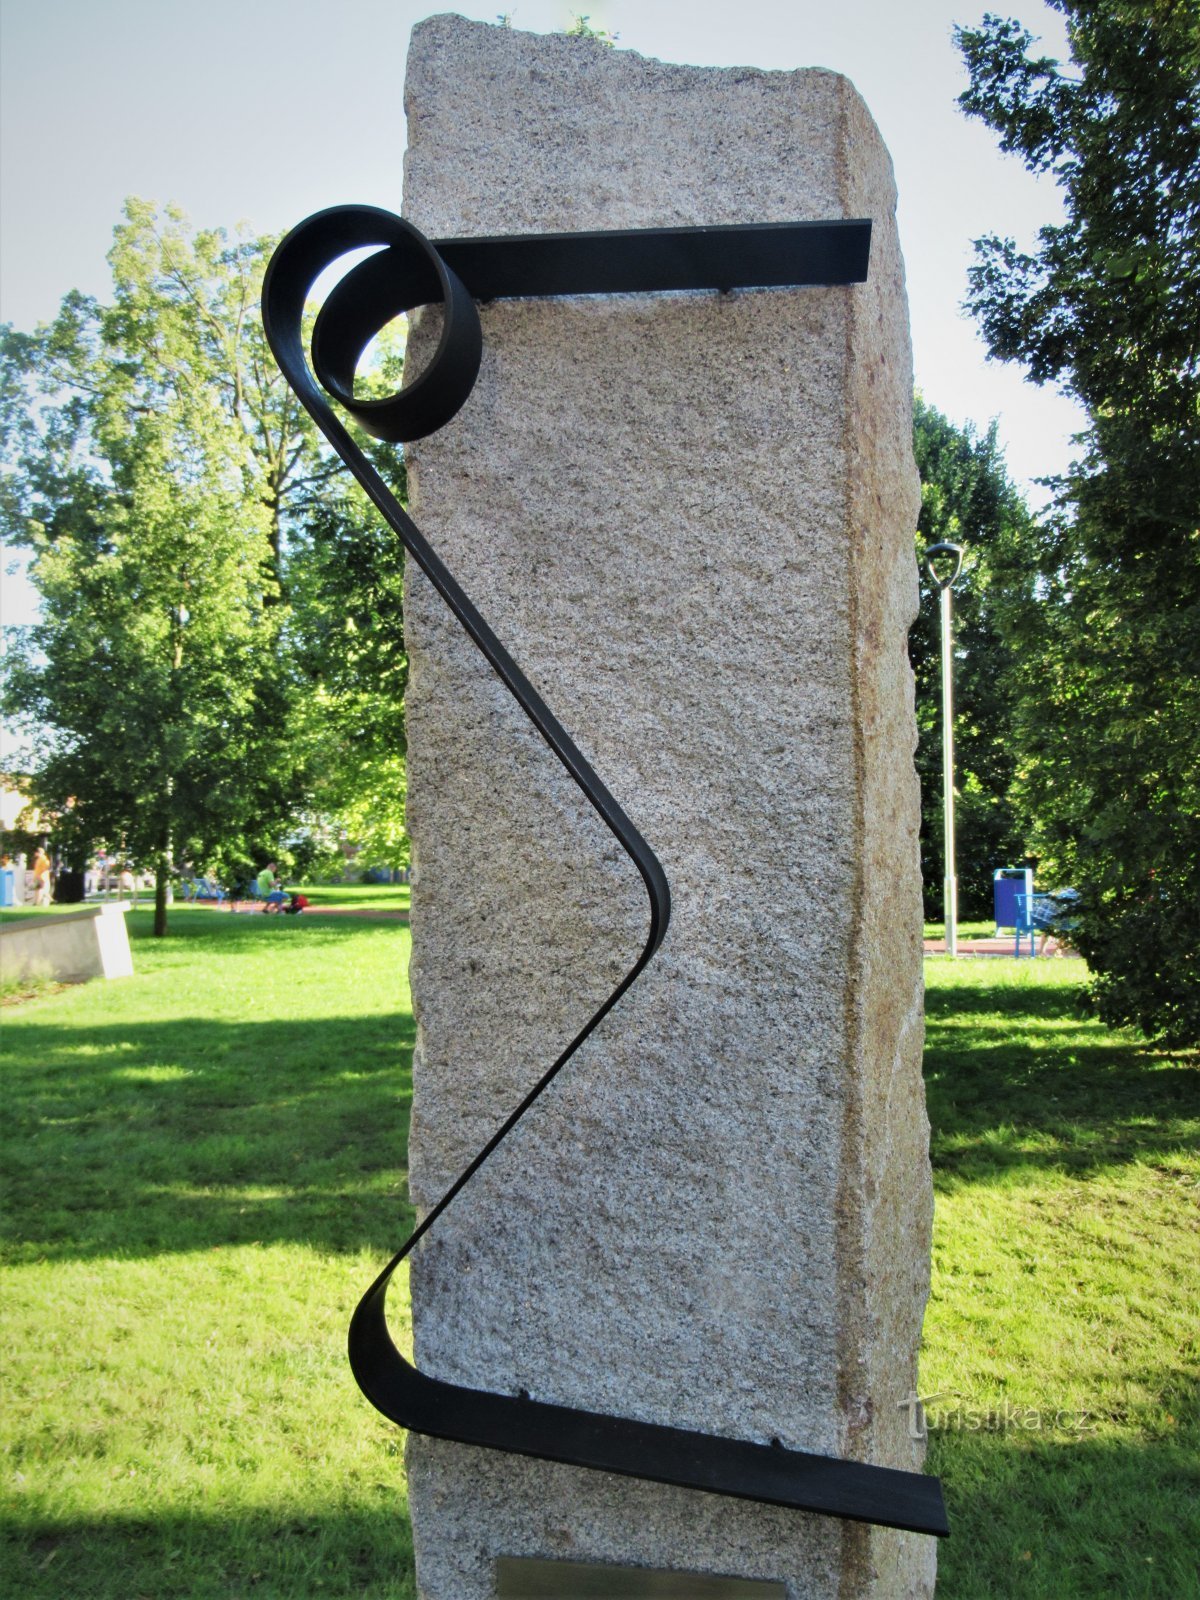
{"points": [[221, 648], [967, 498], [1105, 618]]}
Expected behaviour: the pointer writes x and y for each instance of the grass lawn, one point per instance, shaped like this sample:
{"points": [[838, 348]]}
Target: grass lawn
{"points": [[204, 1167], [1061, 1335], [363, 896], [966, 930]]}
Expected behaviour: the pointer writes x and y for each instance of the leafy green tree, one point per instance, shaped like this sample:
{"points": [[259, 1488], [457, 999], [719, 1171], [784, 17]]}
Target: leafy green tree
{"points": [[1106, 614], [133, 481], [173, 494], [968, 499], [349, 655]]}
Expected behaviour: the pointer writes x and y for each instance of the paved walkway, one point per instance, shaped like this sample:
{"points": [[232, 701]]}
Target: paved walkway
{"points": [[995, 947]]}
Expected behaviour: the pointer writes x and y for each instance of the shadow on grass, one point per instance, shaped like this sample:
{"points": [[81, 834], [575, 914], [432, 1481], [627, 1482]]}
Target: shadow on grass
{"points": [[978, 999], [133, 1140], [1023, 1509], [364, 1553], [1017, 1077], [1056, 1516]]}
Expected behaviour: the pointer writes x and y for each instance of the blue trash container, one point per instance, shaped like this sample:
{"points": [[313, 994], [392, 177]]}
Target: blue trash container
{"points": [[1007, 884], [8, 887]]}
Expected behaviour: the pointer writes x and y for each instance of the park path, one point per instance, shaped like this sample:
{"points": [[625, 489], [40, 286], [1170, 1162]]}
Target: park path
{"points": [[993, 947]]}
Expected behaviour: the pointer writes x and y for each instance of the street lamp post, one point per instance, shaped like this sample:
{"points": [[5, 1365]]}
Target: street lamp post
{"points": [[943, 583]]}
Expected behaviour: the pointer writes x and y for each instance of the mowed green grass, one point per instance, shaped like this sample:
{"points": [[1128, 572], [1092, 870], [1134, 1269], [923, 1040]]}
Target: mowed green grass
{"points": [[1061, 1335], [205, 1168], [362, 896], [966, 930]]}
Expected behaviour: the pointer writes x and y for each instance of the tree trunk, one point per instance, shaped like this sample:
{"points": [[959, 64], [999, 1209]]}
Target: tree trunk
{"points": [[162, 886], [161, 881]]}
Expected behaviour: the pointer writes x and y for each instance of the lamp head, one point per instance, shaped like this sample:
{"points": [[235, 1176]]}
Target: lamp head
{"points": [[952, 565]]}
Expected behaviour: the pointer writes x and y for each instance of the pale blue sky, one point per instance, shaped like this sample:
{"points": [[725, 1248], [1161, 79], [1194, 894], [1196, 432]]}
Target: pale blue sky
{"points": [[267, 110]]}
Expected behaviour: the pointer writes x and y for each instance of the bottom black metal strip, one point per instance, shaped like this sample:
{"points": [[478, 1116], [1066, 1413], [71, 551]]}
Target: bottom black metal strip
{"points": [[770, 1474]]}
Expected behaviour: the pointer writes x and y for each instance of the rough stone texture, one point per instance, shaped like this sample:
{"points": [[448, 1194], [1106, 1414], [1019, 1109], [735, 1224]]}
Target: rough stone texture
{"points": [[689, 517]]}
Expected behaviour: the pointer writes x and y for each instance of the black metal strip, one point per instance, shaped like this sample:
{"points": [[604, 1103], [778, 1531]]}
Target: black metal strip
{"points": [[410, 272], [648, 260]]}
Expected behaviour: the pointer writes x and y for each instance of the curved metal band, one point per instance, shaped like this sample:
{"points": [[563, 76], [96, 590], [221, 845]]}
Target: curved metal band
{"points": [[408, 273], [948, 579]]}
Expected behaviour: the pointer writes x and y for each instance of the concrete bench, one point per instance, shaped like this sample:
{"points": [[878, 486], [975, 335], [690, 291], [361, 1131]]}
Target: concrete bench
{"points": [[92, 942]]}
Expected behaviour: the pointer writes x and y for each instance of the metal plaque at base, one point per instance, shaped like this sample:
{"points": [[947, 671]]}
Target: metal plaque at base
{"points": [[527, 1578]]}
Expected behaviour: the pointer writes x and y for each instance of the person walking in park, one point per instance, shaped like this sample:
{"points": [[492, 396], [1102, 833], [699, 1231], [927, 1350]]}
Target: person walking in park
{"points": [[41, 877]]}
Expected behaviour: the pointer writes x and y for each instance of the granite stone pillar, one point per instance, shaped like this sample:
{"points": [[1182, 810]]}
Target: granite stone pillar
{"points": [[689, 517]]}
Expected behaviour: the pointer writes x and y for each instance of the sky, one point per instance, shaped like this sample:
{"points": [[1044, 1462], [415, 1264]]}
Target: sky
{"points": [[264, 111]]}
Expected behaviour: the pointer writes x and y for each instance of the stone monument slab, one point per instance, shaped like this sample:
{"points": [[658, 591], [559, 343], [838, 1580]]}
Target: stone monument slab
{"points": [[689, 517]]}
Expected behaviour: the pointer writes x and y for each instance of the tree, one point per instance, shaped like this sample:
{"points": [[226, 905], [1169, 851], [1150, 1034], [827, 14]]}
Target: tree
{"points": [[149, 677], [968, 499], [347, 630], [169, 486], [1106, 617]]}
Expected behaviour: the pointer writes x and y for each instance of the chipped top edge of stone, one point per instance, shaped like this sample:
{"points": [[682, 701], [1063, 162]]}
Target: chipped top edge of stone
{"points": [[447, 21], [440, 30]]}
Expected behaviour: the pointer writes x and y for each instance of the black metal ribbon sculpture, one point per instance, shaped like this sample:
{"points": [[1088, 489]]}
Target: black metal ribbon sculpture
{"points": [[411, 271]]}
